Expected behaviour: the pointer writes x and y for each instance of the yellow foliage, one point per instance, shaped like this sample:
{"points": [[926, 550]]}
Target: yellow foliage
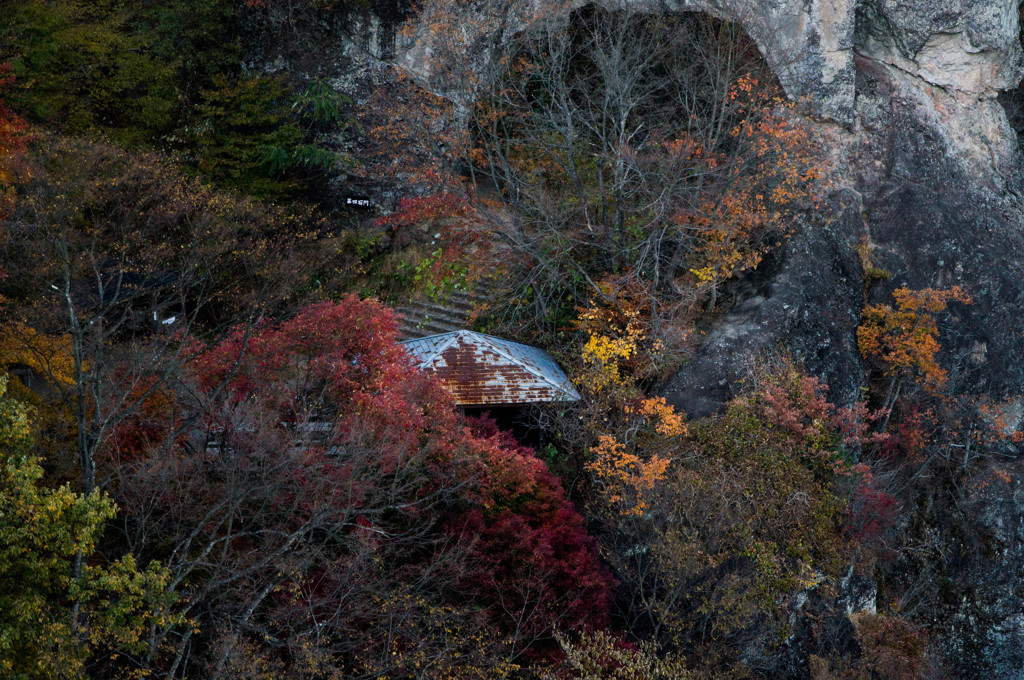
{"points": [[49, 356], [616, 349], [604, 355], [15, 421]]}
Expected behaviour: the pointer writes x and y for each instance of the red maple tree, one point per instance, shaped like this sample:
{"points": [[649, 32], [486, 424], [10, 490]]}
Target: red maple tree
{"points": [[346, 493]]}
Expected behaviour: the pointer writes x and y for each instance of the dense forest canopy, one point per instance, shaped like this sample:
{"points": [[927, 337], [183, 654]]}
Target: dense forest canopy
{"points": [[217, 460]]}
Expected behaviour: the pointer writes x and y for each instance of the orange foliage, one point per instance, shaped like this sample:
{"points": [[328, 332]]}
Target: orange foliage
{"points": [[628, 471], [625, 474], [757, 196], [666, 421], [997, 417], [905, 338], [996, 475]]}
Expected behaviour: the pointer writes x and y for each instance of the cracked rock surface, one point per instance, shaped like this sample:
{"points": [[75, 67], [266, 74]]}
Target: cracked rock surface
{"points": [[930, 174], [904, 93]]}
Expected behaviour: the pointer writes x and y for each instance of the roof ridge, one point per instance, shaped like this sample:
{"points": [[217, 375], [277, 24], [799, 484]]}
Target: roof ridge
{"points": [[535, 372], [443, 346]]}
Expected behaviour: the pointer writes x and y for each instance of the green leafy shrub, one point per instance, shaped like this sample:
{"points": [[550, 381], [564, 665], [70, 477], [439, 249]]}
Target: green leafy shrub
{"points": [[63, 610], [88, 66]]}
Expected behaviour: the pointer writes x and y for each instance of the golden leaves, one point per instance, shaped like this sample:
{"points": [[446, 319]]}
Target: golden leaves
{"points": [[49, 356], [628, 471], [625, 477], [603, 355], [904, 338]]}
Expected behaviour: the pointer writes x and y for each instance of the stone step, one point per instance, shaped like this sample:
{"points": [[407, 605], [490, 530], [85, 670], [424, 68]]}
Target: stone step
{"points": [[423, 316], [420, 323], [464, 302], [418, 314], [439, 309], [423, 329]]}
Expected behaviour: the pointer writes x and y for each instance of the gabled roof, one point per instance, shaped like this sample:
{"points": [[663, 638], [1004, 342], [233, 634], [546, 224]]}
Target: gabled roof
{"points": [[482, 370]]}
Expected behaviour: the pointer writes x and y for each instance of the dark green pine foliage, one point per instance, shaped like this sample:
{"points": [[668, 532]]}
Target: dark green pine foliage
{"points": [[245, 134], [167, 75]]}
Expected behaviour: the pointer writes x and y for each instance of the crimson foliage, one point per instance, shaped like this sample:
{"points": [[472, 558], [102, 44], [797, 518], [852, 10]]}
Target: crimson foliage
{"points": [[363, 508]]}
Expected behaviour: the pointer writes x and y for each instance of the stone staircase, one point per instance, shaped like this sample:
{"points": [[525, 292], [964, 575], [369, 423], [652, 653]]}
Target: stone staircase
{"points": [[422, 316]]}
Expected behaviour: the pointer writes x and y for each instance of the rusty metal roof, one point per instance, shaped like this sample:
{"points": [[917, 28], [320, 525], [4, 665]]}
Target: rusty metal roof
{"points": [[482, 370]]}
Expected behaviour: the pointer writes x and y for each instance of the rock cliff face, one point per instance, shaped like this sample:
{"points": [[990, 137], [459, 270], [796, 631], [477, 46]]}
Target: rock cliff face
{"points": [[808, 43], [905, 95], [928, 174]]}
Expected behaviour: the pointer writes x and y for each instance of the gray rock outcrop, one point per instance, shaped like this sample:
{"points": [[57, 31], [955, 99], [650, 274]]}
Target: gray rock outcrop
{"points": [[932, 167], [930, 175], [904, 94]]}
